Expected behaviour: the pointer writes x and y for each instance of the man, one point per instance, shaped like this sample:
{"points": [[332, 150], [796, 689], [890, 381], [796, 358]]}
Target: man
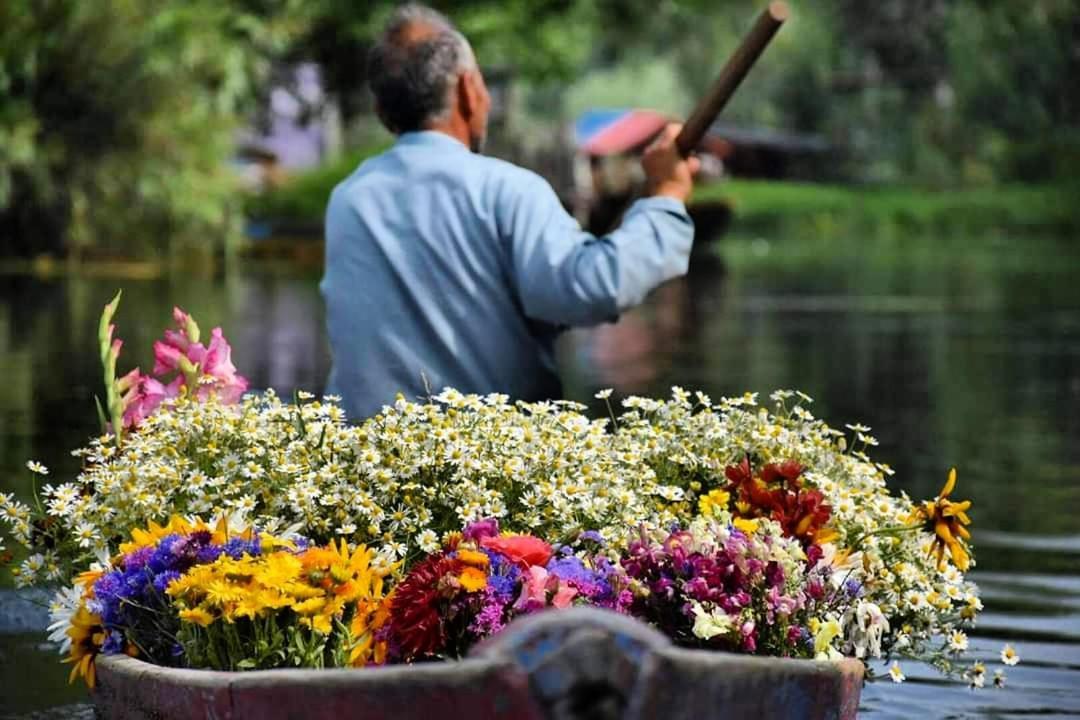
{"points": [[448, 268]]}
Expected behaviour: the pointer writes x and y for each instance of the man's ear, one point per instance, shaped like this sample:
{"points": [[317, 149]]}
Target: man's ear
{"points": [[468, 94]]}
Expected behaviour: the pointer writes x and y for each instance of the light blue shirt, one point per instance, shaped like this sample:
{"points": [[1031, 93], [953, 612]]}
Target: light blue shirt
{"points": [[449, 268]]}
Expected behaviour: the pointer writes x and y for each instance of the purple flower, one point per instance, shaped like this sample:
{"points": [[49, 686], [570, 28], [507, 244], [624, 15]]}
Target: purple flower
{"points": [[477, 531], [114, 643], [591, 536], [853, 588], [162, 580], [504, 576], [236, 548], [490, 619], [208, 554], [136, 559]]}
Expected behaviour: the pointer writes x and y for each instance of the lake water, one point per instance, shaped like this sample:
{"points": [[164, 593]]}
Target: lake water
{"points": [[958, 351]]}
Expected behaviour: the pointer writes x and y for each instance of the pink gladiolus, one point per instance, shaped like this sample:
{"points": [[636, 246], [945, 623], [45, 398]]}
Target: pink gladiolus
{"points": [[180, 350], [142, 399], [166, 357], [216, 361]]}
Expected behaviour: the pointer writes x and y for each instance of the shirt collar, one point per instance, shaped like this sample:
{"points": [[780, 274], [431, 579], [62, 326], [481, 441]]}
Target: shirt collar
{"points": [[430, 138]]}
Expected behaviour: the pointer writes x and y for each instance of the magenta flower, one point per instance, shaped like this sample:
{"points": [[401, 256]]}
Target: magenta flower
{"points": [[477, 531]]}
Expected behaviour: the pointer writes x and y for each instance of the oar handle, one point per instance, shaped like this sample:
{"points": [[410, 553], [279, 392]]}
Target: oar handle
{"points": [[731, 75]]}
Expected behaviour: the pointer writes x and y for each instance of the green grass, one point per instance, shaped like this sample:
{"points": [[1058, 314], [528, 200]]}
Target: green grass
{"points": [[766, 205]]}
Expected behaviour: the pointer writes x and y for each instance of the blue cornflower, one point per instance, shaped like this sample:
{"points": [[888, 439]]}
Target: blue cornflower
{"points": [[114, 643], [208, 554], [162, 580]]}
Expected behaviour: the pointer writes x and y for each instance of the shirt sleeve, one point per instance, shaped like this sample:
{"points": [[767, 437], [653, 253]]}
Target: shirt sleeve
{"points": [[566, 276]]}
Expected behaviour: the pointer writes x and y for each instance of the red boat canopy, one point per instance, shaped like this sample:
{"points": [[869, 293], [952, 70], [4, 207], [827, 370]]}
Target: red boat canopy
{"points": [[613, 132]]}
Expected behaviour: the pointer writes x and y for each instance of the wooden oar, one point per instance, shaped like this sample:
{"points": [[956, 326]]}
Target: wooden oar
{"points": [[740, 62]]}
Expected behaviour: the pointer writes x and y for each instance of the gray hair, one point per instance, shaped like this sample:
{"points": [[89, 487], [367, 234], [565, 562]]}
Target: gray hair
{"points": [[412, 74]]}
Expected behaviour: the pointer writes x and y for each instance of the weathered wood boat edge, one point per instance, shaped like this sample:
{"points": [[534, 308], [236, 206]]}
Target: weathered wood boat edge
{"points": [[577, 663]]}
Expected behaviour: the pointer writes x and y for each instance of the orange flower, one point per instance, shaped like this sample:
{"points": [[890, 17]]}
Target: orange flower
{"points": [[473, 579], [946, 519]]}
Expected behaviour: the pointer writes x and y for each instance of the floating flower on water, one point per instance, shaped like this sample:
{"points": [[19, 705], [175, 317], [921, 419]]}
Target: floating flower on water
{"points": [[999, 679], [896, 673], [1009, 656], [946, 519]]}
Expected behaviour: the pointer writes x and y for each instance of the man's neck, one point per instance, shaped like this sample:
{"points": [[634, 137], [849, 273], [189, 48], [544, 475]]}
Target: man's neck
{"points": [[455, 128]]}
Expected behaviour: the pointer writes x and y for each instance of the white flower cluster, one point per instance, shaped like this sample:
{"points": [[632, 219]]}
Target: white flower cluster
{"points": [[400, 481]]}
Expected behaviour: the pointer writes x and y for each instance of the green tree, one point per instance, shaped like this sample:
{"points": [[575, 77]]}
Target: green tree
{"points": [[116, 119]]}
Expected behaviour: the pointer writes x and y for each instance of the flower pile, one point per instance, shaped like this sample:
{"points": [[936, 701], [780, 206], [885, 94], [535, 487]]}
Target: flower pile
{"points": [[727, 525], [194, 595], [716, 586], [316, 607], [483, 579]]}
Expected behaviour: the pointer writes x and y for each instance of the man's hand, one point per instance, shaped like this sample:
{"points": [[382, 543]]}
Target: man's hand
{"points": [[668, 174]]}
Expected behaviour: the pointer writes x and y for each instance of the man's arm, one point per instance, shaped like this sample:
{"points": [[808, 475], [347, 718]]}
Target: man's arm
{"points": [[566, 276]]}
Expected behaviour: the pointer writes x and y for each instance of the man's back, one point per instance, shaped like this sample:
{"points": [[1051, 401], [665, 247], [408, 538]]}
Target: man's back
{"points": [[448, 268], [418, 284]]}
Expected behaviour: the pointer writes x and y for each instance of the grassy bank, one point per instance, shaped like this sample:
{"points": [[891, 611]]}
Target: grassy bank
{"points": [[766, 206]]}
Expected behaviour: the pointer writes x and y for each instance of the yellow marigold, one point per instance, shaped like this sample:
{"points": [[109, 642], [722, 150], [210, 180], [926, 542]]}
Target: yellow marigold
{"points": [[369, 618], [712, 504], [473, 579], [279, 568], [198, 615], [219, 592], [309, 606], [747, 525], [272, 599], [301, 591], [320, 623]]}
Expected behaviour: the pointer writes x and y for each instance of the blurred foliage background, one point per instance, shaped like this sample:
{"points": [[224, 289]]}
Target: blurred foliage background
{"points": [[118, 118]]}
